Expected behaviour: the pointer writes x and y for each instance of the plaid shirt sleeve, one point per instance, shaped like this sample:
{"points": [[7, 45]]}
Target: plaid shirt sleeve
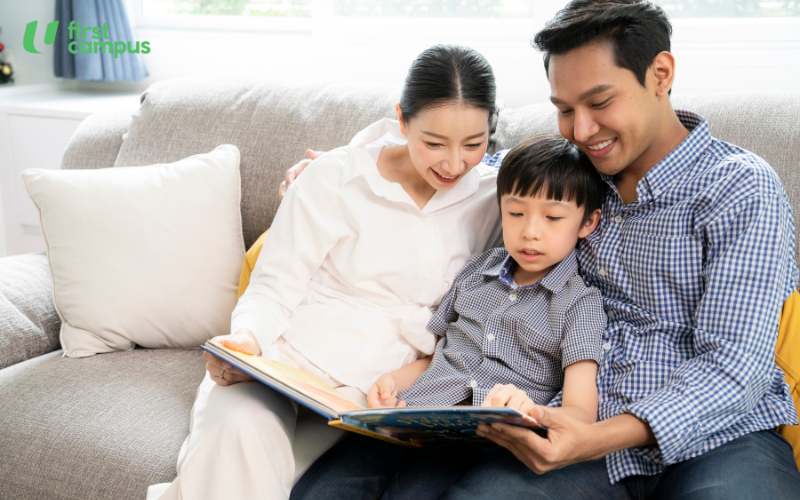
{"points": [[496, 159], [748, 272]]}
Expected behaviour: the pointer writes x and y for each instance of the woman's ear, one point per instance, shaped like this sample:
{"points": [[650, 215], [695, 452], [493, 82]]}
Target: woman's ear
{"points": [[590, 225], [400, 119]]}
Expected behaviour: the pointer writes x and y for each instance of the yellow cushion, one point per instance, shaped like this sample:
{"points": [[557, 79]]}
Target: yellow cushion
{"points": [[787, 352], [249, 264], [787, 355]]}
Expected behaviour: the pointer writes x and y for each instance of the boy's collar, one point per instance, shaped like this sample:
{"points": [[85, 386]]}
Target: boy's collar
{"points": [[554, 281]]}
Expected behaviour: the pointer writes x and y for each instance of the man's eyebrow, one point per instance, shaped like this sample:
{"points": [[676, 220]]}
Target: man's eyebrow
{"points": [[589, 93], [473, 136]]}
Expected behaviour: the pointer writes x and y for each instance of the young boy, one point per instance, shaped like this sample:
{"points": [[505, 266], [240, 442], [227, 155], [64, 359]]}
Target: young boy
{"points": [[518, 325]]}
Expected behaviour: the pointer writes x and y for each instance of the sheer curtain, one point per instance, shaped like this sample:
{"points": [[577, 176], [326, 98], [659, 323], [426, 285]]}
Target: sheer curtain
{"points": [[102, 67]]}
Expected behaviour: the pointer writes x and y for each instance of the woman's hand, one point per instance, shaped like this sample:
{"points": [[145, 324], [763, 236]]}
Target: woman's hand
{"points": [[294, 171], [384, 393], [509, 395], [224, 373]]}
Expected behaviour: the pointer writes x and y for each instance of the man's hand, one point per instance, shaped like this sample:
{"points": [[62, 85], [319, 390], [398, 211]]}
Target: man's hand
{"points": [[568, 440], [293, 172], [509, 395], [224, 373], [384, 393], [564, 445]]}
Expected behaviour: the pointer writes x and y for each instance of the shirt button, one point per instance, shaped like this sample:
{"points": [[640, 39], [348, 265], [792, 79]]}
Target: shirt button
{"points": [[601, 272], [618, 219], [473, 384], [606, 346], [490, 337], [657, 192], [512, 296]]}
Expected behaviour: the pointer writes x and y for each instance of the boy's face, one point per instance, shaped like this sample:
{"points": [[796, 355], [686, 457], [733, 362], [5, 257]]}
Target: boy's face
{"points": [[539, 233], [603, 109]]}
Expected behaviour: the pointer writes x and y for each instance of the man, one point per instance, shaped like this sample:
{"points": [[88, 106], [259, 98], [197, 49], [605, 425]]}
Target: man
{"points": [[694, 258]]}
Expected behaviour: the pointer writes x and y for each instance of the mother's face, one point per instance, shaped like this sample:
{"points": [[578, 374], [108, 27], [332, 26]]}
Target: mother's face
{"points": [[446, 142]]}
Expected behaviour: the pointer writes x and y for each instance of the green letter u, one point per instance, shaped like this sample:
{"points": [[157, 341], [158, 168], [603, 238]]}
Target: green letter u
{"points": [[30, 32]]}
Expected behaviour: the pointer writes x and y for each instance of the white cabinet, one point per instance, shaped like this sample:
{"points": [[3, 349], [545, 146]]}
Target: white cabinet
{"points": [[34, 132]]}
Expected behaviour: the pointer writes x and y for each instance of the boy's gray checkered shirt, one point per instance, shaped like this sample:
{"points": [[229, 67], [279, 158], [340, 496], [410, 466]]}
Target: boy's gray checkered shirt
{"points": [[498, 333]]}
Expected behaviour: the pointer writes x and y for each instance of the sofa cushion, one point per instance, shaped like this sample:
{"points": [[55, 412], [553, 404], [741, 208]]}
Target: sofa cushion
{"points": [[768, 124], [29, 323], [95, 428], [145, 255], [272, 123]]}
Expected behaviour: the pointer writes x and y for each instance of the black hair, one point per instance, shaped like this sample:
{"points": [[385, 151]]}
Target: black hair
{"points": [[447, 73], [551, 165], [637, 30]]}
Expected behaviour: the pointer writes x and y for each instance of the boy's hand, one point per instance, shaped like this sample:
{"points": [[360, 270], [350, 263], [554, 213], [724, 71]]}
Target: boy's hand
{"points": [[384, 393], [509, 395]]}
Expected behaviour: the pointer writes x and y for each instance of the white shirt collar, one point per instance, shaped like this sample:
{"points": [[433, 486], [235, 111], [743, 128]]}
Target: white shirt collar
{"points": [[362, 163]]}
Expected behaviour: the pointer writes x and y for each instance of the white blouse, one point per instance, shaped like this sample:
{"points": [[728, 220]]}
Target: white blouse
{"points": [[351, 267]]}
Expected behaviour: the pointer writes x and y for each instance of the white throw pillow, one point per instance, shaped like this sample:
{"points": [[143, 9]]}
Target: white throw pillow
{"points": [[142, 255]]}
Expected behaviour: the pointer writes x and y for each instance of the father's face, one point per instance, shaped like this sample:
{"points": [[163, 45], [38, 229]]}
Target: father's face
{"points": [[603, 108]]}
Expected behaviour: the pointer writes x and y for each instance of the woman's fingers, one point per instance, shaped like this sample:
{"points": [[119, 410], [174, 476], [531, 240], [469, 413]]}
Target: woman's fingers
{"points": [[231, 375]]}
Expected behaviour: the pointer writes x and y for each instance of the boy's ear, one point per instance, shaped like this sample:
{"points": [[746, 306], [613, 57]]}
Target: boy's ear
{"points": [[590, 225]]}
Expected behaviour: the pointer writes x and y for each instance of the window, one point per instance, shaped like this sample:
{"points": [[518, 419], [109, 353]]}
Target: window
{"points": [[678, 9], [259, 8], [503, 9]]}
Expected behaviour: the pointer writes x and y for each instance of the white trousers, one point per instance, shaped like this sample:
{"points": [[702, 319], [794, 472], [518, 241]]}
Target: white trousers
{"points": [[246, 440]]}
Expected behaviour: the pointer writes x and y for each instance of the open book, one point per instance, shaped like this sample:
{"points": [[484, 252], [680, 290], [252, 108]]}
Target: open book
{"points": [[411, 426]]}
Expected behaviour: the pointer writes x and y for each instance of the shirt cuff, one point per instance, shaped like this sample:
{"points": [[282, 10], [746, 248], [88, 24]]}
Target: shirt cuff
{"points": [[674, 422], [264, 335], [580, 352]]}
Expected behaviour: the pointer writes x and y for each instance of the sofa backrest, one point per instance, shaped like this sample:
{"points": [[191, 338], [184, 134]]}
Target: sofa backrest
{"points": [[273, 121]]}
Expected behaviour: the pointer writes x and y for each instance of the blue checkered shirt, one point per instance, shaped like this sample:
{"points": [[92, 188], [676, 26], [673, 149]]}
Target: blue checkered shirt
{"points": [[499, 333], [693, 276]]}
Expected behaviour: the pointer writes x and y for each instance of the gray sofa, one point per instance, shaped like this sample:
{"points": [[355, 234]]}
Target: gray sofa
{"points": [[107, 426]]}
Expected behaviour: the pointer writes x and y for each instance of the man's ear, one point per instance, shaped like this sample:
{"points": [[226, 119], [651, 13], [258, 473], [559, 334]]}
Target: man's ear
{"points": [[663, 71], [590, 225], [400, 118]]}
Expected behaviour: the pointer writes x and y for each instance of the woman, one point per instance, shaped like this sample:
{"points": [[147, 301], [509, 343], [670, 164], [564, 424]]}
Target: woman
{"points": [[363, 245]]}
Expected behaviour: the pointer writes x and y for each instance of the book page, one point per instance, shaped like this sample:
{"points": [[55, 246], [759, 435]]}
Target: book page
{"points": [[298, 380]]}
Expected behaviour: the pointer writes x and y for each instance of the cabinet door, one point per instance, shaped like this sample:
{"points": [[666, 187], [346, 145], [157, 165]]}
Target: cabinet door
{"points": [[33, 142]]}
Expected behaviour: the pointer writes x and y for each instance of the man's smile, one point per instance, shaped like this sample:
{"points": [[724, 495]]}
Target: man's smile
{"points": [[601, 148]]}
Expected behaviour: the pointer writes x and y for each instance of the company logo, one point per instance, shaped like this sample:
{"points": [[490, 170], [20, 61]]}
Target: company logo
{"points": [[80, 40]]}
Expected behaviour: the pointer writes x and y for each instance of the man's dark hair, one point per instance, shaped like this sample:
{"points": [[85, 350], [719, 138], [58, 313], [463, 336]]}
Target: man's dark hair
{"points": [[636, 29], [444, 74], [549, 165]]}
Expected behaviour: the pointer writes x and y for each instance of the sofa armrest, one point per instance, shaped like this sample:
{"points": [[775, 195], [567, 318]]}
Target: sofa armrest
{"points": [[29, 324]]}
